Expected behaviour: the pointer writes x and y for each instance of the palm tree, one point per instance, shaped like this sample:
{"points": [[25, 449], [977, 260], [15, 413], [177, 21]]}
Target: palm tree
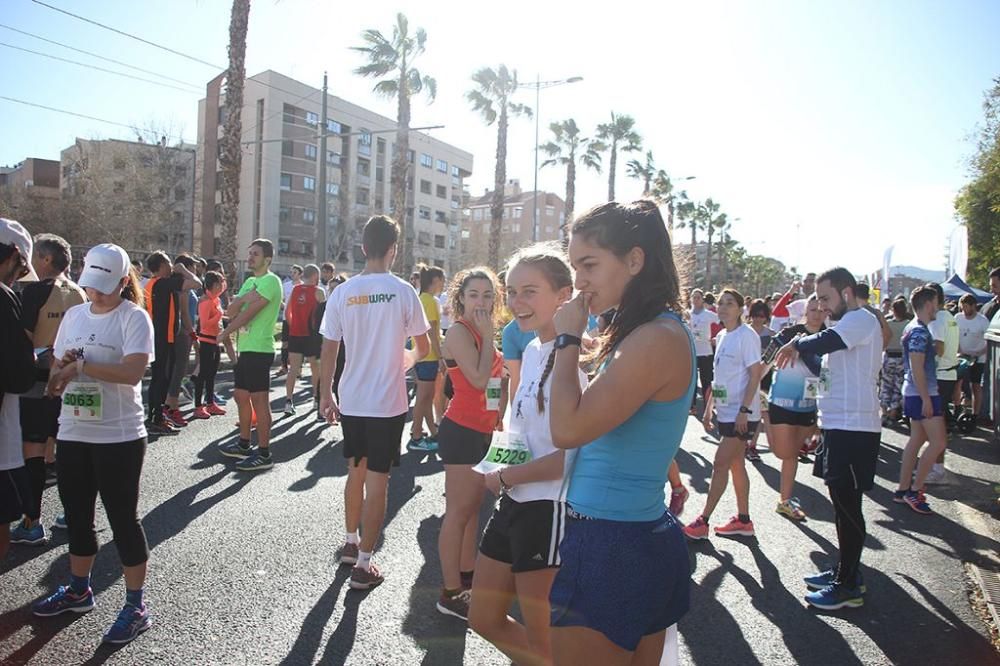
{"points": [[711, 219], [663, 192], [644, 171], [230, 161], [393, 59], [687, 217], [491, 98], [567, 136], [619, 134]]}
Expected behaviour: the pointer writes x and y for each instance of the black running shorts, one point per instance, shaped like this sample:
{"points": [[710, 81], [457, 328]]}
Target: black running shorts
{"points": [[782, 416], [253, 372], [377, 439], [458, 445], [525, 535], [39, 419], [847, 458]]}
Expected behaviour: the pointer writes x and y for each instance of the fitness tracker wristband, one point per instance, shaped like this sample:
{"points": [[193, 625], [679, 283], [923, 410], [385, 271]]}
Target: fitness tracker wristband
{"points": [[564, 340], [745, 410]]}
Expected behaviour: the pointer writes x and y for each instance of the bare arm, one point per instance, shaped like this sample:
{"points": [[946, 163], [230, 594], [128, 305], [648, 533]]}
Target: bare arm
{"points": [[886, 331], [476, 364], [128, 372], [514, 371], [191, 280], [421, 347], [255, 303], [546, 468]]}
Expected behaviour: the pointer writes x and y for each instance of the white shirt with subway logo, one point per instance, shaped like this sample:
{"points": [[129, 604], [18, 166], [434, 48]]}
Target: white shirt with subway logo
{"points": [[373, 315]]}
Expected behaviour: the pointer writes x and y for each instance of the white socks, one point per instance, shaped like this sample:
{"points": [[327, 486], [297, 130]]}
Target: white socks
{"points": [[364, 560], [353, 538]]}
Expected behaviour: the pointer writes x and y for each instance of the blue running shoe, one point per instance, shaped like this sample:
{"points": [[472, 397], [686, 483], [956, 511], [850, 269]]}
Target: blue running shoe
{"points": [[255, 463], [916, 500], [828, 578], [899, 496], [33, 536], [835, 597], [425, 445], [131, 622], [63, 600], [60, 523], [236, 450]]}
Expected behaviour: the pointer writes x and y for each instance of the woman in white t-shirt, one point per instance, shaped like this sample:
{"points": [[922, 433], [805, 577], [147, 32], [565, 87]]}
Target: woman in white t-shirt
{"points": [[519, 551], [734, 399], [103, 348]]}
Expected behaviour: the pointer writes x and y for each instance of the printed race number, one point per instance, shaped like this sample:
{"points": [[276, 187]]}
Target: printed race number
{"points": [[82, 401]]}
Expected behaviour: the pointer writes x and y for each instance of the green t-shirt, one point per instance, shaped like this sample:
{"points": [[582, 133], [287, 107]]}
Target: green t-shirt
{"points": [[258, 335]]}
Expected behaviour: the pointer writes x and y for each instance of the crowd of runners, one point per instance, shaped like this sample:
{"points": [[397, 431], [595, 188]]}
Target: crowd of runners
{"points": [[514, 374]]}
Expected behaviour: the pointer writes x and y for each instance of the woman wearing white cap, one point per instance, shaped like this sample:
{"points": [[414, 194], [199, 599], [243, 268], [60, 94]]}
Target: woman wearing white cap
{"points": [[103, 349]]}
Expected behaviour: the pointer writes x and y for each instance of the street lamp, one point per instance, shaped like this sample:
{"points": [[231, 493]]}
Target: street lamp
{"points": [[538, 85]]}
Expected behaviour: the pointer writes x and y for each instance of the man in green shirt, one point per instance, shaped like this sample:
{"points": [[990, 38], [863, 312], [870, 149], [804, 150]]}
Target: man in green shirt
{"points": [[254, 313]]}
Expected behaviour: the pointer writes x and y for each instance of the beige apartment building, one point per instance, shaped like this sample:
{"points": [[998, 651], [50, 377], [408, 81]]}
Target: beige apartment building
{"points": [[279, 178], [517, 229], [33, 177]]}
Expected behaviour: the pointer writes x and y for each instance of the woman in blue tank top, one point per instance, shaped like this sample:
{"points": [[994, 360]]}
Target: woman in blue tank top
{"points": [[625, 575]]}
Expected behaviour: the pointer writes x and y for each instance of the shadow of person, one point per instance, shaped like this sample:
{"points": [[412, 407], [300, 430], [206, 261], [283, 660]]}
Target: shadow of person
{"points": [[307, 643]]}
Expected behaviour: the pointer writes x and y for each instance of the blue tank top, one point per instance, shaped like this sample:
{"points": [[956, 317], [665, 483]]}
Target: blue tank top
{"points": [[621, 475]]}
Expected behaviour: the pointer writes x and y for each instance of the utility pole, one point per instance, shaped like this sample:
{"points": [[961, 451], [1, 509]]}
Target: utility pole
{"points": [[323, 221]]}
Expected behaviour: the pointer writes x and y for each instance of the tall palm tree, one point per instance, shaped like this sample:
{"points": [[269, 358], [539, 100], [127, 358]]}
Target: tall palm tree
{"points": [[230, 161], [393, 59], [491, 99], [644, 171], [688, 218], [663, 192], [588, 151], [619, 134], [711, 220]]}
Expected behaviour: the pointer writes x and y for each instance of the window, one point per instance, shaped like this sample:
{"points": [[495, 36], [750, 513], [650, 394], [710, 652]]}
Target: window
{"points": [[380, 174], [425, 186], [518, 210], [120, 163], [331, 221], [516, 227], [119, 187], [332, 126], [440, 216], [311, 118], [379, 205], [309, 216], [307, 248], [288, 148], [179, 194], [506, 212], [286, 181], [283, 214], [424, 238], [333, 189], [283, 245], [381, 146], [426, 160], [309, 184], [364, 168], [550, 211], [288, 113], [411, 156], [465, 233], [425, 213], [477, 213], [442, 192], [454, 171], [311, 151], [181, 171], [454, 203], [364, 142], [442, 166], [439, 241], [332, 158], [363, 195]]}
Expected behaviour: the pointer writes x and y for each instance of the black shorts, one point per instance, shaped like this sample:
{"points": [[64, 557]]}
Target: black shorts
{"points": [[847, 458], [782, 416], [706, 371], [976, 373], [39, 419], [729, 430], [765, 381], [307, 345], [946, 389], [15, 489], [377, 439], [525, 535], [253, 372], [458, 445]]}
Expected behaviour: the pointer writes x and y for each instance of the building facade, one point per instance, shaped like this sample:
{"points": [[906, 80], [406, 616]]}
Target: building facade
{"points": [[279, 178], [34, 176]]}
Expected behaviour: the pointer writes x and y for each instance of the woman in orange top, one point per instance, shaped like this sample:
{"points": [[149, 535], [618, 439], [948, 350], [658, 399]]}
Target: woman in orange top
{"points": [[209, 325]]}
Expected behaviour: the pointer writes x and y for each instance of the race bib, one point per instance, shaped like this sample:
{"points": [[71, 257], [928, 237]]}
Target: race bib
{"points": [[721, 395], [82, 401], [506, 450], [493, 394], [699, 334], [812, 390]]}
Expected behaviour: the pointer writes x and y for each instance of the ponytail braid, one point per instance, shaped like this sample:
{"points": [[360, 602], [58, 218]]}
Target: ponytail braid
{"points": [[545, 375]]}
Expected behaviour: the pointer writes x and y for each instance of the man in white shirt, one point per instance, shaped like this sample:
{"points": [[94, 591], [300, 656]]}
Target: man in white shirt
{"points": [[702, 319], [287, 285], [851, 353], [377, 312], [972, 348], [944, 330], [797, 309]]}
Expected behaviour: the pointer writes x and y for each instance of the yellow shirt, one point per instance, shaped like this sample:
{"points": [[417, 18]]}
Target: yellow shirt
{"points": [[433, 312]]}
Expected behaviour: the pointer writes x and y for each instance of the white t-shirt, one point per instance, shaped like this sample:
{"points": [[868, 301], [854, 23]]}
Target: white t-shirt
{"points": [[736, 352], [850, 400], [797, 310], [778, 323], [533, 426], [373, 314], [444, 302], [11, 454], [972, 335], [701, 329], [106, 338], [944, 329]]}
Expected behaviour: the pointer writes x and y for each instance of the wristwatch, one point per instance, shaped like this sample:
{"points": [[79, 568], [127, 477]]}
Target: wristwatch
{"points": [[565, 340], [745, 410]]}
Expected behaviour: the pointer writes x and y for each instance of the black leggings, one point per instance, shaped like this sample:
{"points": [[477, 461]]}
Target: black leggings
{"points": [[160, 371], [851, 533], [705, 371], [113, 470], [204, 382]]}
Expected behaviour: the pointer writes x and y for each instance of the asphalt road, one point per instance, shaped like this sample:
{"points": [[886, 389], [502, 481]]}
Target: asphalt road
{"points": [[242, 568]]}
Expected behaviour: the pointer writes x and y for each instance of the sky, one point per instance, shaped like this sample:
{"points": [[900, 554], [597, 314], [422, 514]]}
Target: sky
{"points": [[827, 130]]}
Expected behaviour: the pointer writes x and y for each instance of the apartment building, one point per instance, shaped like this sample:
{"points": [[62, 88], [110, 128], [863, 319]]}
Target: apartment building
{"points": [[279, 179], [517, 229], [33, 177]]}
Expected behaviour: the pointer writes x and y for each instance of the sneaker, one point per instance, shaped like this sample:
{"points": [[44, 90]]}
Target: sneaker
{"points": [[32, 536], [751, 454], [790, 509], [131, 622], [736, 527], [424, 445], [348, 554], [200, 413], [161, 428], [835, 597], [915, 500], [60, 523], [828, 578], [289, 407], [214, 410], [697, 530], [174, 417], [678, 497], [899, 496], [456, 606], [217, 400], [936, 475], [255, 463], [236, 450], [63, 600], [366, 579]]}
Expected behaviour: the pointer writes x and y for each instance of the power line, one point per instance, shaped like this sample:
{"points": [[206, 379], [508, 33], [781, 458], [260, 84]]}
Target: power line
{"points": [[95, 55], [78, 115], [99, 69]]}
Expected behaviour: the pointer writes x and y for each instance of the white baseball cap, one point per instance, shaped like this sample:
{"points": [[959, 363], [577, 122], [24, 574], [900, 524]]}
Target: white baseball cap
{"points": [[12, 233], [104, 267]]}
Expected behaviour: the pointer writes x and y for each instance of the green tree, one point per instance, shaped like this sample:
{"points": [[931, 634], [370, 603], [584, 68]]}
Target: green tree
{"points": [[644, 171], [566, 148], [231, 157], [618, 135], [392, 60], [492, 100], [664, 192]]}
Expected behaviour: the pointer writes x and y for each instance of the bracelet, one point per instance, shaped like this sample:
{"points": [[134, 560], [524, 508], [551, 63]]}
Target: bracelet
{"points": [[503, 484]]}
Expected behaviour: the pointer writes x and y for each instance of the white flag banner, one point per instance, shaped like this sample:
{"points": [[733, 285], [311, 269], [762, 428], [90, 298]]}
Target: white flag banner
{"points": [[959, 259], [886, 262]]}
